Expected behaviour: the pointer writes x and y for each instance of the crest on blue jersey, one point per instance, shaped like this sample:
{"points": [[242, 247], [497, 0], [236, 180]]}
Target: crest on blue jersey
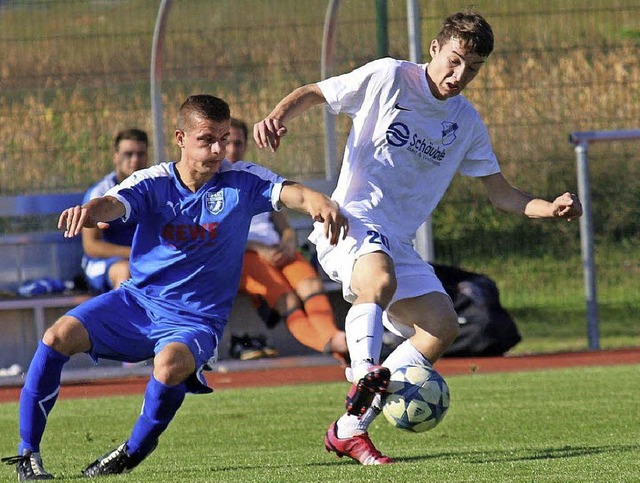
{"points": [[448, 132], [215, 202]]}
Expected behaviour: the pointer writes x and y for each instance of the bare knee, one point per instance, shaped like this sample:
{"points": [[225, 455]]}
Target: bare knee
{"points": [[374, 279], [119, 272], [173, 364], [380, 289], [67, 336]]}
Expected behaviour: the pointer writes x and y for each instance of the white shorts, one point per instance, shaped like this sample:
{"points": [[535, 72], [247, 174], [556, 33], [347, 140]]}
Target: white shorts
{"points": [[415, 276]]}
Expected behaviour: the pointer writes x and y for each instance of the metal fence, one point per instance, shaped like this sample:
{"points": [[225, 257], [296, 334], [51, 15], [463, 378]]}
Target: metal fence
{"points": [[74, 72]]}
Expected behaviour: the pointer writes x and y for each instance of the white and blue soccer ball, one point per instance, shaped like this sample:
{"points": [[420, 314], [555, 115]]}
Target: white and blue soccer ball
{"points": [[416, 399]]}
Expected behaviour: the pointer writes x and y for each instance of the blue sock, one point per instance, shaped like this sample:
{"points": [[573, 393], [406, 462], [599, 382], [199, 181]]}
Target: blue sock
{"points": [[161, 402], [38, 395]]}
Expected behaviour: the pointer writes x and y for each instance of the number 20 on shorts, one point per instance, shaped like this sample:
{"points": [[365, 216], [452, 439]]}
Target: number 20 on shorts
{"points": [[378, 238]]}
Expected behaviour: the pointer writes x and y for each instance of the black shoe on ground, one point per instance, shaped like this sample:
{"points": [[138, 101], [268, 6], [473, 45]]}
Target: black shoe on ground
{"points": [[28, 466], [114, 462], [245, 348], [261, 342]]}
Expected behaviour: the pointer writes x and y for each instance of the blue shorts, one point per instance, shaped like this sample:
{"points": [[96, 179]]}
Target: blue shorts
{"points": [[96, 271], [120, 329]]}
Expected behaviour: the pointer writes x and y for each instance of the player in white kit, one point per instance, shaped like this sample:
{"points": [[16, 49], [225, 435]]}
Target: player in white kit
{"points": [[411, 133]]}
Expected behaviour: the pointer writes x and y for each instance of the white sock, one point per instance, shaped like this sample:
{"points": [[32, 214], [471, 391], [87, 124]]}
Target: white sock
{"points": [[369, 415], [350, 425], [347, 426], [405, 354], [363, 326]]}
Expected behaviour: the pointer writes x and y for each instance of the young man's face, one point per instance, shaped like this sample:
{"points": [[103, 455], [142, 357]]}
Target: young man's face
{"points": [[204, 146], [130, 156], [451, 69], [236, 144]]}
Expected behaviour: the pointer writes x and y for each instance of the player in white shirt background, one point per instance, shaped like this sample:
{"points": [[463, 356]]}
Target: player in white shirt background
{"points": [[411, 133]]}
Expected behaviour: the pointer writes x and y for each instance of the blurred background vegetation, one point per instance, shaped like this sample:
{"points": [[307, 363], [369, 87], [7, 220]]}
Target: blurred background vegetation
{"points": [[74, 72]]}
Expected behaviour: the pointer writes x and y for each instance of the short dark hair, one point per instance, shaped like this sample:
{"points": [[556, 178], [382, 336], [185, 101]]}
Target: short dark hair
{"points": [[202, 105], [241, 125], [130, 134], [470, 29]]}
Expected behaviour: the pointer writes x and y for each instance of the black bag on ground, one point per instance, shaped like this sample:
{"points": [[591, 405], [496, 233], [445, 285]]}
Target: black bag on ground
{"points": [[486, 328]]}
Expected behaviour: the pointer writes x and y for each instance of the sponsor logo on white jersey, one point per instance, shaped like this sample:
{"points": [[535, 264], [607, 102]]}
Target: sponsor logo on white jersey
{"points": [[399, 135]]}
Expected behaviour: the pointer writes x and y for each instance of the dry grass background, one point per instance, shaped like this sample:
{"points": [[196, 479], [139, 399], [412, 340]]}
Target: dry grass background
{"points": [[72, 73]]}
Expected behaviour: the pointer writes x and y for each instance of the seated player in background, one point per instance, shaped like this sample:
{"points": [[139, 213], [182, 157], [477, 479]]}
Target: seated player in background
{"points": [[106, 252], [282, 282]]}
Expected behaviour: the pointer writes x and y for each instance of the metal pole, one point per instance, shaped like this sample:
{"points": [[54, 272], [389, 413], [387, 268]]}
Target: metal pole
{"points": [[382, 31], [157, 57], [326, 69], [587, 246], [424, 236], [413, 26], [581, 140]]}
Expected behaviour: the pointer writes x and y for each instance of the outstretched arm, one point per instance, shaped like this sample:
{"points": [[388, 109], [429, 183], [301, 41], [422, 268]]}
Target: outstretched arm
{"points": [[319, 206], [95, 213], [269, 131], [507, 198]]}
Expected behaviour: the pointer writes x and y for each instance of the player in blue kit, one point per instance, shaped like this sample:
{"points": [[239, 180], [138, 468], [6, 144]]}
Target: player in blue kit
{"points": [[193, 218]]}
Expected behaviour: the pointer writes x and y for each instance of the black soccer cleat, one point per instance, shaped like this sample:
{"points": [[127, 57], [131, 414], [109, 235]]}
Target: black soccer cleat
{"points": [[245, 348], [361, 394], [28, 466], [114, 462], [248, 348]]}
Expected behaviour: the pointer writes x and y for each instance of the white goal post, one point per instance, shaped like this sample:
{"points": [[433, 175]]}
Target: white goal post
{"points": [[581, 140]]}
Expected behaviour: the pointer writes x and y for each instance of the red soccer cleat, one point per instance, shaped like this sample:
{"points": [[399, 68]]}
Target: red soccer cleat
{"points": [[362, 393], [359, 448]]}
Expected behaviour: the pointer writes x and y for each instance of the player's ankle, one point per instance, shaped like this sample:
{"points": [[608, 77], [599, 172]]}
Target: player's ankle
{"points": [[361, 369]]}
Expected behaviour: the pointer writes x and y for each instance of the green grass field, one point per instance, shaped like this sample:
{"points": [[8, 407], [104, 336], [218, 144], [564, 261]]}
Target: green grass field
{"points": [[570, 425]]}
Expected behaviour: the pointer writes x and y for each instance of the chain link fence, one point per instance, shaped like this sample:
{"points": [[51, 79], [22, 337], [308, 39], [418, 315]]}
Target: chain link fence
{"points": [[74, 72]]}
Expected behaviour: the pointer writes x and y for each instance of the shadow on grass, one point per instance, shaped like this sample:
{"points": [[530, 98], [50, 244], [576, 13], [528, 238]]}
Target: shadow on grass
{"points": [[481, 457], [470, 457]]}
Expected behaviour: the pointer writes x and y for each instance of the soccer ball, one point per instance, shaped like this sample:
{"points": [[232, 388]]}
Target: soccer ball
{"points": [[416, 399]]}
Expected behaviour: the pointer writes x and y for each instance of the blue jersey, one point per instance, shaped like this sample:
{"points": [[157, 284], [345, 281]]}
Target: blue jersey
{"points": [[187, 251], [118, 233]]}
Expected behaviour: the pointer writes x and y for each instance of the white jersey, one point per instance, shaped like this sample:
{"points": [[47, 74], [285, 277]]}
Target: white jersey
{"points": [[405, 145]]}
